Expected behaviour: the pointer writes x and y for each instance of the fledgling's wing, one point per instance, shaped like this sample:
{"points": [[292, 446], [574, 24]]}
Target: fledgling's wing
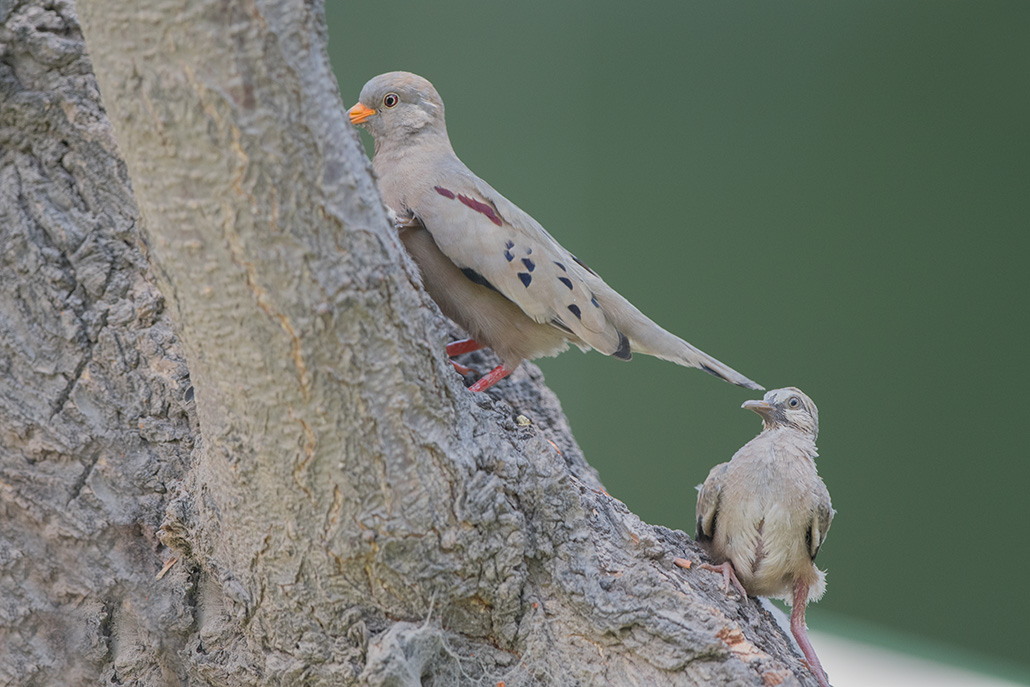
{"points": [[708, 496], [822, 516]]}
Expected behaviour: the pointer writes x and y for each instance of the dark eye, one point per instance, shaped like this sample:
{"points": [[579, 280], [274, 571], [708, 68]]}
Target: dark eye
{"points": [[794, 402], [391, 100]]}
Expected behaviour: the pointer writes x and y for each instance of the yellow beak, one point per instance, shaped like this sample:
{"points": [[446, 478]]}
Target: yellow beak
{"points": [[360, 113]]}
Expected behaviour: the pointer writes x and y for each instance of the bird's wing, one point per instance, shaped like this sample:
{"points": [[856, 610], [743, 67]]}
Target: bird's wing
{"points": [[708, 501], [501, 247], [822, 516]]}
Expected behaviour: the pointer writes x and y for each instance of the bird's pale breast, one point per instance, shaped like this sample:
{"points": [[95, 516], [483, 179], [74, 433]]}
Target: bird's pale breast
{"points": [[766, 510]]}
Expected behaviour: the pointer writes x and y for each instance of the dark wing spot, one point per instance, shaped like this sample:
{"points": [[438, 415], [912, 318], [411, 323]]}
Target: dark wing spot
{"points": [[623, 352], [817, 528], [560, 266], [481, 207], [509, 244], [574, 309], [529, 251], [530, 265], [508, 256], [566, 281], [477, 278], [713, 372], [594, 301], [584, 265], [699, 534], [808, 542], [446, 193], [524, 276]]}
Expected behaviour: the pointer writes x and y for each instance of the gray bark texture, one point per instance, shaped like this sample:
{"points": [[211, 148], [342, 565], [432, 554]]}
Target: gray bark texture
{"points": [[317, 499]]}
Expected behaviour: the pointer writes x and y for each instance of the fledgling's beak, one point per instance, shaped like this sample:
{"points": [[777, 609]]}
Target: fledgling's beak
{"points": [[761, 407], [360, 113]]}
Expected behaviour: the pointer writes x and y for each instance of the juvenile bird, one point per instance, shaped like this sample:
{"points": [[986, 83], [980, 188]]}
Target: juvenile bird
{"points": [[490, 266], [763, 515]]}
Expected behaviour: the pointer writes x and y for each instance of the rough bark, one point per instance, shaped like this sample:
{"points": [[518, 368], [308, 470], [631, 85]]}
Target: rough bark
{"points": [[335, 506]]}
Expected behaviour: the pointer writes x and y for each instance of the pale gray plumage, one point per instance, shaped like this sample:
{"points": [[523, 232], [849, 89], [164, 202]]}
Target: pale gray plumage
{"points": [[488, 265], [764, 515]]}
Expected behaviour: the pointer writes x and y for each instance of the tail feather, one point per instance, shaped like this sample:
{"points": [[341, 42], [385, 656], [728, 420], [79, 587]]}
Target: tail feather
{"points": [[647, 337], [682, 353]]}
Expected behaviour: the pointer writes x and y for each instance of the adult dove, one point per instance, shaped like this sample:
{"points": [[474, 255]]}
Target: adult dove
{"points": [[764, 515], [489, 266]]}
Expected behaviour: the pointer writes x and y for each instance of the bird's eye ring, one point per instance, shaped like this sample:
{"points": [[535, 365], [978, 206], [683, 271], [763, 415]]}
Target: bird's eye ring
{"points": [[391, 100], [794, 402]]}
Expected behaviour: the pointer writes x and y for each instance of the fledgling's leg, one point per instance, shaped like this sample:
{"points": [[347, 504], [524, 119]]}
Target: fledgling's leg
{"points": [[800, 631]]}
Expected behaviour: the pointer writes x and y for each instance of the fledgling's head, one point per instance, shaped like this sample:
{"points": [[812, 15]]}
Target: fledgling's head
{"points": [[396, 105], [788, 407]]}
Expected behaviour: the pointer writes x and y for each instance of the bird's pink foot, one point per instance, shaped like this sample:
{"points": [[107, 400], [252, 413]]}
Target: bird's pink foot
{"points": [[467, 346], [728, 575], [457, 348], [800, 632], [495, 375], [461, 369]]}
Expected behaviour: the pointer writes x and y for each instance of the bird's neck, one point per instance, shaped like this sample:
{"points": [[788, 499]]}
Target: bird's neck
{"points": [[803, 442], [415, 143], [405, 167]]}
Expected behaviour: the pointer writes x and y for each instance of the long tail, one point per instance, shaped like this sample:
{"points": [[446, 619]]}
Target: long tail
{"points": [[645, 336]]}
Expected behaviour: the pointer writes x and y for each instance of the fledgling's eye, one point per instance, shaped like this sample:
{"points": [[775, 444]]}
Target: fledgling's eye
{"points": [[794, 402], [391, 100]]}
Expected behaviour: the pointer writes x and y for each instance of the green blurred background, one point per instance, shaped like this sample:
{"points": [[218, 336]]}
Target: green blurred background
{"points": [[828, 195]]}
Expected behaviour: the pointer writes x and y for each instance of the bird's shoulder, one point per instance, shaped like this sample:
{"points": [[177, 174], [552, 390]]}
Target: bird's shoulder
{"points": [[715, 475]]}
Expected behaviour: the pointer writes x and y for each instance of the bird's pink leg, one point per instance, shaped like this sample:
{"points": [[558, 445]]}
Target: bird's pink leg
{"points": [[464, 346], [495, 375], [797, 626], [728, 575], [467, 346]]}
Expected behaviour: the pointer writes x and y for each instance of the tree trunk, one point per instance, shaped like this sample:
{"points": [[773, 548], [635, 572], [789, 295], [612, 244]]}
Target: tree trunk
{"points": [[317, 500]]}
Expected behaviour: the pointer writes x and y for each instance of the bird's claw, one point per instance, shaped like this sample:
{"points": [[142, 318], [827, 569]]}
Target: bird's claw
{"points": [[399, 221], [728, 575]]}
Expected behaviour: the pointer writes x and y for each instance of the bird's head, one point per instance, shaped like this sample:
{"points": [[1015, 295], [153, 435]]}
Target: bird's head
{"points": [[788, 407], [396, 105]]}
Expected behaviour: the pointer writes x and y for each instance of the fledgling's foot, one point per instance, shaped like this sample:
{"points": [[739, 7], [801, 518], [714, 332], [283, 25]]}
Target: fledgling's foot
{"points": [[728, 575]]}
